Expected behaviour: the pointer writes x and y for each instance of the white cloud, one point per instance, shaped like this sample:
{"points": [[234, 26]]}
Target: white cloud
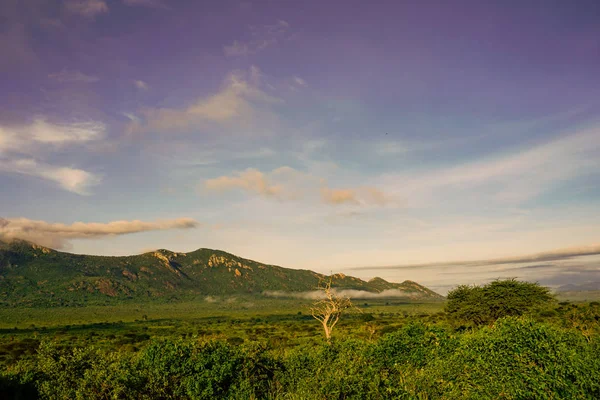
{"points": [[131, 117], [40, 134], [86, 8], [299, 81], [71, 179], [239, 100], [363, 195], [250, 180], [237, 49], [67, 76], [283, 183], [290, 184], [552, 255], [141, 85], [55, 234], [508, 178], [262, 37], [338, 196], [22, 147], [295, 83]]}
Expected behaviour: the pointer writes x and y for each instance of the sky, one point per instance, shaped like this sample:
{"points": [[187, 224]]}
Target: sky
{"points": [[430, 141]]}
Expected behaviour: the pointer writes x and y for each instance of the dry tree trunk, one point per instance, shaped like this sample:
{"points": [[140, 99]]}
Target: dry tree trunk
{"points": [[329, 310]]}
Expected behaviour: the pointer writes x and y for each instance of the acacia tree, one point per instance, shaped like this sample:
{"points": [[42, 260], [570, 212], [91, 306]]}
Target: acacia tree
{"points": [[479, 305], [329, 310]]}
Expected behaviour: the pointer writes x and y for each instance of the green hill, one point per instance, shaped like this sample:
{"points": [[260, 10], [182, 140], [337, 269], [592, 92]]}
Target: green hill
{"points": [[35, 275]]}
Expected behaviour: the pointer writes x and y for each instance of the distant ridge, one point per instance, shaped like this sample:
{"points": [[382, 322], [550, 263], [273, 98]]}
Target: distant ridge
{"points": [[36, 275], [584, 287]]}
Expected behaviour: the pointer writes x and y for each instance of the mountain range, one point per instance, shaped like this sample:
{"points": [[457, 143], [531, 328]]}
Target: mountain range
{"points": [[584, 287], [34, 275]]}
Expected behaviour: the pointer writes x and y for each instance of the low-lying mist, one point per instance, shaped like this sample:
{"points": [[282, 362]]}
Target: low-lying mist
{"points": [[353, 294]]}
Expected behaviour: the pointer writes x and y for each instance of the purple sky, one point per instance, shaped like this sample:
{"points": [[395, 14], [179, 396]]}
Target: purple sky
{"points": [[323, 135]]}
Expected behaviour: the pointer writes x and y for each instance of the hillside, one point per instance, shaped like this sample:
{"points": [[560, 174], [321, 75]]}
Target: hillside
{"points": [[36, 275]]}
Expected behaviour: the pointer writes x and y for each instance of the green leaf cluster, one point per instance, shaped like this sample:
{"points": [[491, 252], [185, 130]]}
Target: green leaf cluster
{"points": [[480, 305], [516, 358]]}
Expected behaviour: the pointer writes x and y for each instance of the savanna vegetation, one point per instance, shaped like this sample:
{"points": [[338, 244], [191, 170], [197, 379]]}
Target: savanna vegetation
{"points": [[514, 341]]}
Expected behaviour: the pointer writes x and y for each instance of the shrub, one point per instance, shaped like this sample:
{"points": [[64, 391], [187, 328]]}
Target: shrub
{"points": [[479, 305], [341, 370], [519, 359], [414, 345], [516, 358]]}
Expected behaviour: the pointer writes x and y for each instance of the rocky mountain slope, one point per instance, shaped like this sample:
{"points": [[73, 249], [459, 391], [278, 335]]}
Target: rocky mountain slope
{"points": [[36, 275]]}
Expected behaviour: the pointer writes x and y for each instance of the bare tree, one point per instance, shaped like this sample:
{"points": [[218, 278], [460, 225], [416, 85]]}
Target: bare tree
{"points": [[329, 310]]}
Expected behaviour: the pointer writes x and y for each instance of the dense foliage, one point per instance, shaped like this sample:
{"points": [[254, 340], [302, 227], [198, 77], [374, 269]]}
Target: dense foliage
{"points": [[480, 305], [522, 346], [516, 358]]}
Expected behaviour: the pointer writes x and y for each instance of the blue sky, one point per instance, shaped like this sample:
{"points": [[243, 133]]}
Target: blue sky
{"points": [[329, 136]]}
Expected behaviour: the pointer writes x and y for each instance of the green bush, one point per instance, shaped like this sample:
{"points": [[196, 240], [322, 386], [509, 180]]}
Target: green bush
{"points": [[479, 305], [414, 345], [516, 359], [341, 370], [165, 369], [178, 369]]}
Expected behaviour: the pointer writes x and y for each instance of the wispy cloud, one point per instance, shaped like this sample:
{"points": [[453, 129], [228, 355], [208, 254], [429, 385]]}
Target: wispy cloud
{"points": [[291, 184], [23, 147], [71, 179], [216, 156], [512, 177], [390, 148], [299, 81], [280, 183], [250, 180], [283, 183], [338, 196], [559, 254], [56, 234], [262, 37], [141, 85], [67, 76], [41, 133], [376, 196], [366, 195], [294, 84], [86, 8], [240, 99]]}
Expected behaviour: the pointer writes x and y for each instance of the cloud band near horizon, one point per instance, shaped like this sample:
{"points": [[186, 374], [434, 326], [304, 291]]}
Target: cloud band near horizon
{"points": [[555, 255], [55, 234]]}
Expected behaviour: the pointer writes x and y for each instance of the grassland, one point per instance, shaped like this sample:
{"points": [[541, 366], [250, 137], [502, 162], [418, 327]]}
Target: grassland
{"points": [[281, 323], [244, 347]]}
